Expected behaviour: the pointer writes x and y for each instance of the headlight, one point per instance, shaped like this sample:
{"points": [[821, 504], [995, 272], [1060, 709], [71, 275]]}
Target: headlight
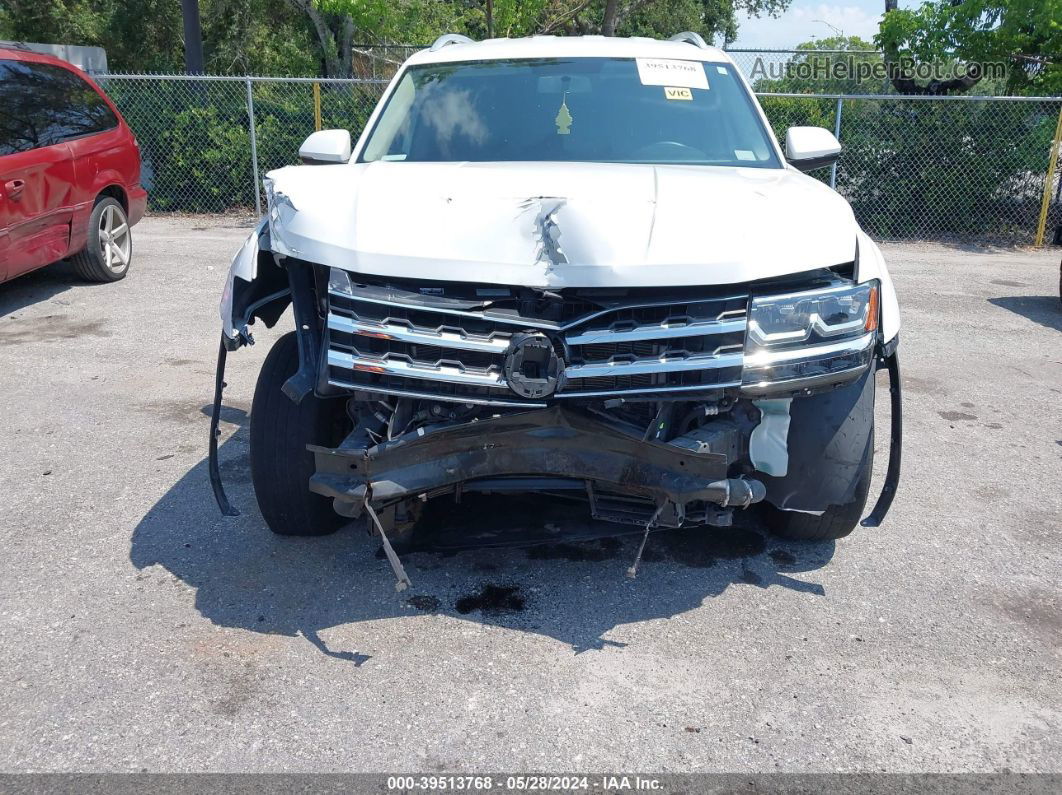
{"points": [[810, 336], [798, 319]]}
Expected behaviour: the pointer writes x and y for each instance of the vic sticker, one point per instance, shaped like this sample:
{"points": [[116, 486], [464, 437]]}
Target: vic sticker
{"points": [[677, 93], [667, 72]]}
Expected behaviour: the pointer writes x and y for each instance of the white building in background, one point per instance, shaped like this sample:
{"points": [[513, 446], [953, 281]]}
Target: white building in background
{"points": [[91, 59]]}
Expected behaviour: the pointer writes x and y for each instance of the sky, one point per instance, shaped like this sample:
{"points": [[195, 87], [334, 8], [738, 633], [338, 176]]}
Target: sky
{"points": [[807, 19]]}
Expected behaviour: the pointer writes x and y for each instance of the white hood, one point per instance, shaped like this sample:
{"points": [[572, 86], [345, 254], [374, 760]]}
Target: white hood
{"points": [[560, 224]]}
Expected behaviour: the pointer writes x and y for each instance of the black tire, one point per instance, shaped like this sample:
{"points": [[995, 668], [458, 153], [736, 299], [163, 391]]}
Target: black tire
{"points": [[837, 521], [101, 259], [281, 465]]}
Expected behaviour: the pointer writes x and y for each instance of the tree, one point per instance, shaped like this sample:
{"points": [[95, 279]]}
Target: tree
{"points": [[308, 37], [258, 37], [834, 65], [1025, 35], [239, 36], [423, 20], [713, 19]]}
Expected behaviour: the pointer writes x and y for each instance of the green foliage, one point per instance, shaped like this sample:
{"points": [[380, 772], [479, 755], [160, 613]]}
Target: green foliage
{"points": [[195, 141], [294, 37], [423, 20], [810, 71], [920, 169], [239, 36], [660, 20], [1025, 34], [516, 17], [141, 36], [253, 37], [71, 21]]}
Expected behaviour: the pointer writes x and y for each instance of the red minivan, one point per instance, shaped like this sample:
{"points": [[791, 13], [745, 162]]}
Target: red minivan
{"points": [[69, 171]]}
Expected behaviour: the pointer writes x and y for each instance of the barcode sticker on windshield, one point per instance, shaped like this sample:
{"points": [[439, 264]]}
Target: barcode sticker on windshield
{"points": [[667, 72]]}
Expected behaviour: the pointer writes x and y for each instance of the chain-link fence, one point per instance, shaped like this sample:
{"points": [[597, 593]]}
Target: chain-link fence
{"points": [[912, 167], [381, 61], [207, 141], [936, 167]]}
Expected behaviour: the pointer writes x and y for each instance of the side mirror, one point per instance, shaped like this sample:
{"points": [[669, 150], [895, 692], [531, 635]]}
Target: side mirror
{"points": [[326, 146], [809, 148]]}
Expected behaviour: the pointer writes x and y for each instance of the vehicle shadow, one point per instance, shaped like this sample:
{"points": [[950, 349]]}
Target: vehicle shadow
{"points": [[39, 285], [1043, 309], [573, 591]]}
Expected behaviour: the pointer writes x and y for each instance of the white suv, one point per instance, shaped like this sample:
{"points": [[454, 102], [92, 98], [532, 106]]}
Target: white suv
{"points": [[578, 265]]}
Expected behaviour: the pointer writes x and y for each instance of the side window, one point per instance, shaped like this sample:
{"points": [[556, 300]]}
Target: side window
{"points": [[45, 104], [22, 121]]}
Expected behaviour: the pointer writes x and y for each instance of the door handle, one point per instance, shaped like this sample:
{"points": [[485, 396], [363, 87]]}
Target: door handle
{"points": [[14, 187]]}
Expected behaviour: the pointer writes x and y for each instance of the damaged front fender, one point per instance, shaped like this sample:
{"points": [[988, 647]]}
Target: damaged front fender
{"points": [[256, 288]]}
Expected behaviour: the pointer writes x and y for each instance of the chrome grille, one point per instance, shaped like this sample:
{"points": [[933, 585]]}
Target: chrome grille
{"points": [[634, 344]]}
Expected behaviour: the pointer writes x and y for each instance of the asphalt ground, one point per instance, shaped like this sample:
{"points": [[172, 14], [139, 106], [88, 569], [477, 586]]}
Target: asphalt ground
{"points": [[141, 630]]}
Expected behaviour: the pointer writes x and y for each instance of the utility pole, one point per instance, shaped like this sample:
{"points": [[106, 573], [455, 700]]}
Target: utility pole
{"points": [[193, 38]]}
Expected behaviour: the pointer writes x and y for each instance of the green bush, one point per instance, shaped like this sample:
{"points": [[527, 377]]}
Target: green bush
{"points": [[929, 169], [195, 140]]}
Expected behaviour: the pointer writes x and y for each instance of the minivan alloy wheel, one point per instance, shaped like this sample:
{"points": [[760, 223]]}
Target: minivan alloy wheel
{"points": [[114, 239], [109, 248]]}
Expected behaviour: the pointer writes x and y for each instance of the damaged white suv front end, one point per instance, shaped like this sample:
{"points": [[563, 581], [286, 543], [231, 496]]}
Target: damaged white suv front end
{"points": [[566, 265]]}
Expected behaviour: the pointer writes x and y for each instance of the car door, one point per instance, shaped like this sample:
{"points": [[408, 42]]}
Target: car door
{"points": [[99, 148], [36, 169]]}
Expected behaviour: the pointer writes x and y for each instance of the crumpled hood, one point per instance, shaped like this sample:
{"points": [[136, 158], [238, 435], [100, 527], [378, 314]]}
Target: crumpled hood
{"points": [[560, 224]]}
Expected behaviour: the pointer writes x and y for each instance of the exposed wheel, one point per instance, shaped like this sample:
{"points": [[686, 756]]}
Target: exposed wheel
{"points": [[109, 249], [837, 521], [281, 465]]}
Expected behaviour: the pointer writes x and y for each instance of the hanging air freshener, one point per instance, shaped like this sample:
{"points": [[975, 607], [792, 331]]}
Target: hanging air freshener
{"points": [[564, 117]]}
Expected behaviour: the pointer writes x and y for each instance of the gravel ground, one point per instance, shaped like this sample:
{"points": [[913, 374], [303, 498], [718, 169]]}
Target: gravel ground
{"points": [[140, 630]]}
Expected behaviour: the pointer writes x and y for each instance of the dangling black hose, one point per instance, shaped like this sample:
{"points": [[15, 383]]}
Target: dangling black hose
{"points": [[215, 420], [892, 475]]}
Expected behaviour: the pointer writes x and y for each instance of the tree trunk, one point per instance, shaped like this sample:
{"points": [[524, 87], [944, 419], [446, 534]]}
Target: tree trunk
{"points": [[608, 22], [904, 83], [332, 50], [346, 49], [193, 37]]}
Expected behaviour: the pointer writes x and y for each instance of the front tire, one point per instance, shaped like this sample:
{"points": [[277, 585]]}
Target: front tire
{"points": [[281, 465], [109, 249], [836, 522]]}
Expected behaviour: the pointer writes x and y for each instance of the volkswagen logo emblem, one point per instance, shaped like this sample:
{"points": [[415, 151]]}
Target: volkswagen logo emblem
{"points": [[532, 367]]}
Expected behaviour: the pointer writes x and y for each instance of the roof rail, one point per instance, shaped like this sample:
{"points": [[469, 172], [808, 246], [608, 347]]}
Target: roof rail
{"points": [[690, 37], [450, 38]]}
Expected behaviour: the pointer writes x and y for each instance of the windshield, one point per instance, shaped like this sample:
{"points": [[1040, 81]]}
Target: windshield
{"points": [[617, 110]]}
